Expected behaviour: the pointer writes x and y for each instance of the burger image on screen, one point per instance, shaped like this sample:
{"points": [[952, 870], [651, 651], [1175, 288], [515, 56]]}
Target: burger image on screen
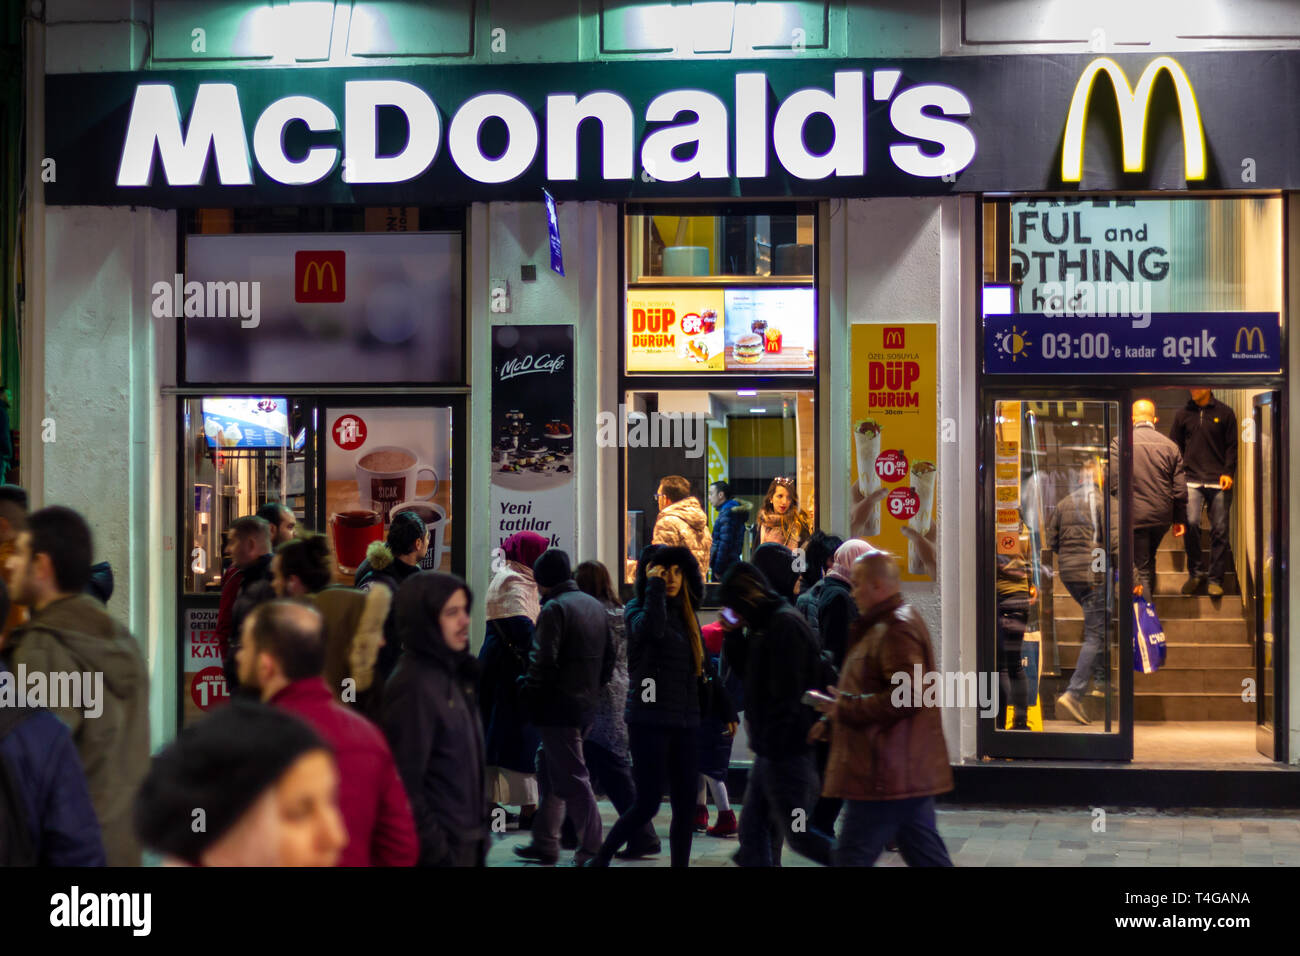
{"points": [[748, 349]]}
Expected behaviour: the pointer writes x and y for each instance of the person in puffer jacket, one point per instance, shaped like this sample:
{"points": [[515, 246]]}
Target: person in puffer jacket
{"points": [[682, 522], [390, 562], [728, 529]]}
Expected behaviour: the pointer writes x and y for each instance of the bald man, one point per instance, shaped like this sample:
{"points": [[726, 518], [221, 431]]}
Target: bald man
{"points": [[1159, 492]]}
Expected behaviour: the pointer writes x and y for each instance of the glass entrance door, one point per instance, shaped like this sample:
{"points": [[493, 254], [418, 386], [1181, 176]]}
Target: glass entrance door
{"points": [[1055, 578], [1269, 598]]}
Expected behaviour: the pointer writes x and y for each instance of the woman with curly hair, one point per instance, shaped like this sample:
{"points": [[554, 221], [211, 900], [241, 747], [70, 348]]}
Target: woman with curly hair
{"points": [[780, 520]]}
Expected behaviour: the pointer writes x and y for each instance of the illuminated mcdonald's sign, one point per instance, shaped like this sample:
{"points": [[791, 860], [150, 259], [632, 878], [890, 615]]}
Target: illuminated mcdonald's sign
{"points": [[311, 267], [1134, 106], [1254, 339]]}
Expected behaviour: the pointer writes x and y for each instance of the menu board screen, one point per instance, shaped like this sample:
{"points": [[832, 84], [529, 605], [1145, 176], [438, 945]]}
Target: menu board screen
{"points": [[716, 330], [770, 330], [246, 422]]}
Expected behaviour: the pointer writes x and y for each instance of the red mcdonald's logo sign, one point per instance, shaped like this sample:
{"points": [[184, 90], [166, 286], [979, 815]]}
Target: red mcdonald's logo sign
{"points": [[893, 337], [319, 275]]}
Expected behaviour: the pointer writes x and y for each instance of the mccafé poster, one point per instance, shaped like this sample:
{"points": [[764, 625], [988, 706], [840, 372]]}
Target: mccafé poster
{"points": [[894, 408], [533, 434]]}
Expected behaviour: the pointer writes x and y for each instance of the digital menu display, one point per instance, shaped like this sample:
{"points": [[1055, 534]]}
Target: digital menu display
{"points": [[715, 330], [246, 422]]}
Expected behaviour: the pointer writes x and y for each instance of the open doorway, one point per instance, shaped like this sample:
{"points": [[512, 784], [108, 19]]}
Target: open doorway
{"points": [[1201, 706]]}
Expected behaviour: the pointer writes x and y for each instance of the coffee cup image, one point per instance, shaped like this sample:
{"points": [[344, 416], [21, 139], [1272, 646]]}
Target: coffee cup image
{"points": [[866, 443], [435, 521], [387, 475]]}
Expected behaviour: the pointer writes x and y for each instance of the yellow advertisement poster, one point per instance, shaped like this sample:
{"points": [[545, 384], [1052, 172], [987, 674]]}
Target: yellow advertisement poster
{"points": [[675, 330], [894, 471]]}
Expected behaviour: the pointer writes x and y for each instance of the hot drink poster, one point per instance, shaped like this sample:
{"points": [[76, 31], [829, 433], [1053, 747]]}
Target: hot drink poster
{"points": [[533, 433], [894, 470], [380, 462]]}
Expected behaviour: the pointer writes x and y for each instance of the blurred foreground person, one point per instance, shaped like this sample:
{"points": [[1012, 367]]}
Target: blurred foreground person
{"points": [[47, 818], [432, 722], [281, 653], [264, 782], [888, 759], [70, 633]]}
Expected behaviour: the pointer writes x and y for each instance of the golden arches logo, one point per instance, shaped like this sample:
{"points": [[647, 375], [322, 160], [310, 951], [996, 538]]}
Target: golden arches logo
{"points": [[1254, 339], [1134, 105], [319, 269]]}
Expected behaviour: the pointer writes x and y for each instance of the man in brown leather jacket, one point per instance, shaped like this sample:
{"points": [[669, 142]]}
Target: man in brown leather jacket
{"points": [[888, 758]]}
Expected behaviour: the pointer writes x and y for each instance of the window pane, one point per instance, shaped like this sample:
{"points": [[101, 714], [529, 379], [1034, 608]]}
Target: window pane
{"points": [[746, 438], [675, 247]]}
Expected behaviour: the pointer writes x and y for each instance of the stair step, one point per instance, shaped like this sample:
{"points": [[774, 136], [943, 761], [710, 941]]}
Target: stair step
{"points": [[1168, 606], [1171, 582], [1184, 655], [1183, 631], [1193, 680], [1194, 706]]}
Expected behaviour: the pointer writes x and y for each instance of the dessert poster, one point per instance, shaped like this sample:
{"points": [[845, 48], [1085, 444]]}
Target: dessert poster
{"points": [[893, 451], [533, 434]]}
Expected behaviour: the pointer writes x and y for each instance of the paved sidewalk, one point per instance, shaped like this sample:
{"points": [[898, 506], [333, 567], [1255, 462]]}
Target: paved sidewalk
{"points": [[986, 837]]}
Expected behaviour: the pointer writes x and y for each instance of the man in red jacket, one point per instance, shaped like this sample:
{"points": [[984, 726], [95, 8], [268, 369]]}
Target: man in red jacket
{"points": [[282, 654]]}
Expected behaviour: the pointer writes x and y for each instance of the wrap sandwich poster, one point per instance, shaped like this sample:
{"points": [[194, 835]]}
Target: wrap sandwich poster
{"points": [[893, 418], [532, 434]]}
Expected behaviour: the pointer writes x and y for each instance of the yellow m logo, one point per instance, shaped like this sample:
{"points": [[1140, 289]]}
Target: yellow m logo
{"points": [[1134, 105], [1254, 339], [319, 269]]}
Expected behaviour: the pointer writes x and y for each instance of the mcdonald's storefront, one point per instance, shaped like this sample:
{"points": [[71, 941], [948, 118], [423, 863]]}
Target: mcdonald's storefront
{"points": [[928, 291]]}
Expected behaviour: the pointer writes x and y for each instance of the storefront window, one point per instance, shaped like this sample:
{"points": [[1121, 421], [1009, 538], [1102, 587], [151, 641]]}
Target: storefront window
{"points": [[669, 248], [757, 442], [240, 453], [322, 308], [719, 362]]}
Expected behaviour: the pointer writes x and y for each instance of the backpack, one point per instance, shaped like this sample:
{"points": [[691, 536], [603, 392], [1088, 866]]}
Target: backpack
{"points": [[16, 848]]}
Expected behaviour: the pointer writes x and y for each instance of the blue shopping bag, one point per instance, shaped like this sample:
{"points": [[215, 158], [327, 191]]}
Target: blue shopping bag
{"points": [[1148, 638]]}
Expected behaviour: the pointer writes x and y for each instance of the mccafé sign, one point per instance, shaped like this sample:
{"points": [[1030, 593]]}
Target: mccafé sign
{"points": [[784, 126], [928, 137]]}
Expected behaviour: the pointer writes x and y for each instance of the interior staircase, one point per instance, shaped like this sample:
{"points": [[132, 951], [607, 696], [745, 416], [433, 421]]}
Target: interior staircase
{"points": [[1208, 648]]}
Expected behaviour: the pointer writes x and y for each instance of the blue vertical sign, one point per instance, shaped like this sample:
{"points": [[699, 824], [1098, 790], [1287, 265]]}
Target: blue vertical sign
{"points": [[553, 227]]}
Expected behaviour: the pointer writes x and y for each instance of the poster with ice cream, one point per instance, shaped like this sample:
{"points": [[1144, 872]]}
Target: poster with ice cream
{"points": [[894, 416]]}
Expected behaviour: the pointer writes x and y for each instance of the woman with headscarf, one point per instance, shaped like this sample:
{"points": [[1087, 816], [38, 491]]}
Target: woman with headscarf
{"points": [[666, 656], [836, 613], [780, 519], [432, 722], [512, 742]]}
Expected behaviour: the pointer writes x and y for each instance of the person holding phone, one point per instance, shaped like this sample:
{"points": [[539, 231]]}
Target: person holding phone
{"points": [[672, 685], [778, 658]]}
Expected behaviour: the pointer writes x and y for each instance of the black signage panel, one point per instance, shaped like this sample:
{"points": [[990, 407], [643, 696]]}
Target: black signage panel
{"points": [[798, 127]]}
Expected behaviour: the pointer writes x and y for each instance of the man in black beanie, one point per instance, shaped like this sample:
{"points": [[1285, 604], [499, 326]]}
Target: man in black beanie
{"points": [[226, 773], [778, 659], [572, 657]]}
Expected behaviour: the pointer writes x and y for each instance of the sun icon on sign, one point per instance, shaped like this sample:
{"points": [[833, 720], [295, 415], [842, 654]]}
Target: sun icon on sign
{"points": [[1012, 343]]}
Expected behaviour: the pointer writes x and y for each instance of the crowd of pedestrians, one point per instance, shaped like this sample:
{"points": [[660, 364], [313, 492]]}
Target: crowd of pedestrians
{"points": [[363, 730]]}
